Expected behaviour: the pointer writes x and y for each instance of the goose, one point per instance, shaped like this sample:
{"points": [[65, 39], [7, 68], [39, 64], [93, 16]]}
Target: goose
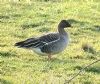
{"points": [[49, 44]]}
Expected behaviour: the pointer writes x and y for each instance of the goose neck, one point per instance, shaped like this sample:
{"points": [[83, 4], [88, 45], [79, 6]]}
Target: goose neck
{"points": [[61, 31]]}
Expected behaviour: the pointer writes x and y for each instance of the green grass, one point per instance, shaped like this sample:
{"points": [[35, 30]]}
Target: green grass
{"points": [[21, 20]]}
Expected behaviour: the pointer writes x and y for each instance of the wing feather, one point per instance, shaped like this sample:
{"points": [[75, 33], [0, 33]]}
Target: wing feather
{"points": [[38, 42]]}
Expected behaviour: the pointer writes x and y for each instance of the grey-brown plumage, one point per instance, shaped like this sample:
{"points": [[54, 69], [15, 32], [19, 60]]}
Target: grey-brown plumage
{"points": [[49, 44]]}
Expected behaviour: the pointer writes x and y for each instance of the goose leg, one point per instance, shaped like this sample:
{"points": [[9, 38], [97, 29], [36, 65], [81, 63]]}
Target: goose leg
{"points": [[49, 56]]}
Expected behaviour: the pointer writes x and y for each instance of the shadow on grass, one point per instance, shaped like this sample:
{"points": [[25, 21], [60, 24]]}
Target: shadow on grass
{"points": [[4, 17], [53, 60], [90, 69], [8, 18], [79, 25], [72, 21], [16, 15], [3, 45], [57, 60], [7, 54], [34, 25], [2, 81], [96, 28], [44, 29], [19, 36], [26, 26]]}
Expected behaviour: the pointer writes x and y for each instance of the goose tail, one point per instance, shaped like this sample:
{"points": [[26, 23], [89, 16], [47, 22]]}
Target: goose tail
{"points": [[31, 42], [19, 44]]}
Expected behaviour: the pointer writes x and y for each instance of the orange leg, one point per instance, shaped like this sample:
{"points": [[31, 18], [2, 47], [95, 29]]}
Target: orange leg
{"points": [[49, 56]]}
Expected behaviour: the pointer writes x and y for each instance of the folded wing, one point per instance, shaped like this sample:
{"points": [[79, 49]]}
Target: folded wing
{"points": [[38, 42]]}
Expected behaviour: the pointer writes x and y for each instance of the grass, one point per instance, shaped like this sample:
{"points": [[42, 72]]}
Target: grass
{"points": [[21, 20]]}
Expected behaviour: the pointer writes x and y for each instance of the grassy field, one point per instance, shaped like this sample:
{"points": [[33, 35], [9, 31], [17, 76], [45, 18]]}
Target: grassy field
{"points": [[22, 20]]}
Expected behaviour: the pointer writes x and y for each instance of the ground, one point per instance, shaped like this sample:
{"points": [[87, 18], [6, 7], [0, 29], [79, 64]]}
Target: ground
{"points": [[21, 20]]}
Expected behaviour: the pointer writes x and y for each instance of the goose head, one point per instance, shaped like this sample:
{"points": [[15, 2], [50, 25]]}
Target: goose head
{"points": [[64, 24]]}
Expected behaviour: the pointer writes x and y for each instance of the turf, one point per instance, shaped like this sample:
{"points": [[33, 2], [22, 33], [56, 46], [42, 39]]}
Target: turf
{"points": [[22, 20]]}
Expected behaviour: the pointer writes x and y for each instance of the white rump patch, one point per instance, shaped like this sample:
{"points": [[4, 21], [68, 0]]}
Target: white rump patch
{"points": [[38, 51]]}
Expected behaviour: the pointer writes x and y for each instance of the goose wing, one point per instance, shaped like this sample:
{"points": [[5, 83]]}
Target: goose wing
{"points": [[49, 37], [38, 42]]}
